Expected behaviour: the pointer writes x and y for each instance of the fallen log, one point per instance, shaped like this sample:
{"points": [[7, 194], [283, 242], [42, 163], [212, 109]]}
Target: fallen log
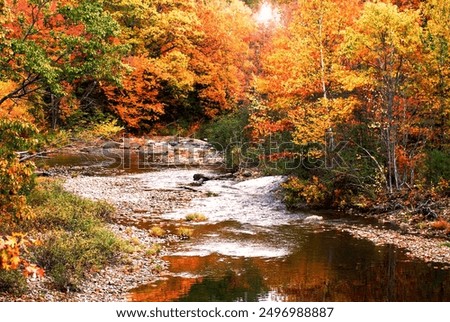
{"points": [[202, 177], [26, 156]]}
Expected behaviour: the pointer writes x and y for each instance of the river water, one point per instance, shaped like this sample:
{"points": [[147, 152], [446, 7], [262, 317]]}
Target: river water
{"points": [[252, 249]]}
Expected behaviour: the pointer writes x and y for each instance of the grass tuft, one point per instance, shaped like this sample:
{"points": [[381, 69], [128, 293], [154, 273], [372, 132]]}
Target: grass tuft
{"points": [[197, 217], [184, 232], [157, 231], [155, 249]]}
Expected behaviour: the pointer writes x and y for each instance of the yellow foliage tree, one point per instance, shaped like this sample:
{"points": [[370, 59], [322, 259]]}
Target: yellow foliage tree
{"points": [[384, 52], [189, 58], [436, 83], [301, 72]]}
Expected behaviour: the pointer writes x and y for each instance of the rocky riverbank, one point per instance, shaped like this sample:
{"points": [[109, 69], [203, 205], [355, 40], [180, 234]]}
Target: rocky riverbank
{"points": [[110, 284], [430, 250], [98, 174], [137, 198], [424, 231]]}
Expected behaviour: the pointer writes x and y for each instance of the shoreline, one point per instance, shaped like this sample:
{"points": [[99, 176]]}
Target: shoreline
{"points": [[433, 251], [411, 231]]}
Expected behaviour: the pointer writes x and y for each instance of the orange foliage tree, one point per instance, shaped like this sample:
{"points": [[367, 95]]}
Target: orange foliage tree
{"points": [[47, 45], [223, 61], [189, 59], [136, 101], [162, 36], [15, 182]]}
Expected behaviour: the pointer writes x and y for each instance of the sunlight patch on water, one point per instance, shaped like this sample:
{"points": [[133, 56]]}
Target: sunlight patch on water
{"points": [[233, 249], [186, 275], [242, 231]]}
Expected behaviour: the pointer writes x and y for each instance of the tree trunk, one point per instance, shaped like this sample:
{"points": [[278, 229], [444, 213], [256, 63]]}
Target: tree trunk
{"points": [[55, 112], [322, 59]]}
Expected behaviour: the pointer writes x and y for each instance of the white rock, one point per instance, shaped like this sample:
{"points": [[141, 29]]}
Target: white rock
{"points": [[313, 218]]}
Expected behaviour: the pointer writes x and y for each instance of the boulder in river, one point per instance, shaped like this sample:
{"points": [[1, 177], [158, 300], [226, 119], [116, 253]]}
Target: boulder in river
{"points": [[200, 177]]}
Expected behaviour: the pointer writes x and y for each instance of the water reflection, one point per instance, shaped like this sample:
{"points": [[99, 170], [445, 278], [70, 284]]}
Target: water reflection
{"points": [[76, 160], [99, 163], [324, 266], [108, 161], [225, 279]]}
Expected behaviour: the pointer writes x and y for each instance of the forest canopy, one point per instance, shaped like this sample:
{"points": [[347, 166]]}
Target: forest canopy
{"points": [[356, 93]]}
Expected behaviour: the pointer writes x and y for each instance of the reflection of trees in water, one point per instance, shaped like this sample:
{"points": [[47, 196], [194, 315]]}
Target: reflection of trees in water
{"points": [[243, 282], [336, 267], [167, 290], [360, 271], [325, 266], [246, 286], [391, 268]]}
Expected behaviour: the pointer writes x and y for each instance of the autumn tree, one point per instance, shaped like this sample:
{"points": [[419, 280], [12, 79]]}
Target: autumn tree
{"points": [[436, 83], [189, 59], [301, 73], [48, 45], [162, 35], [223, 60], [16, 180], [383, 50]]}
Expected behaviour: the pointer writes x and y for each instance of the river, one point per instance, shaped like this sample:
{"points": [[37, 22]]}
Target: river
{"points": [[251, 248]]}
